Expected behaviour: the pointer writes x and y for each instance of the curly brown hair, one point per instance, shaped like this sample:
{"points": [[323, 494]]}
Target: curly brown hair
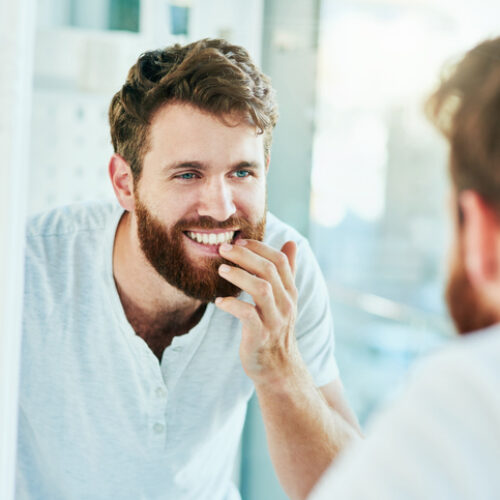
{"points": [[210, 74], [466, 108]]}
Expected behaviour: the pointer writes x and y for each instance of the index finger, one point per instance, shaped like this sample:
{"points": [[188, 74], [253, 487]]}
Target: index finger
{"points": [[290, 250], [284, 262]]}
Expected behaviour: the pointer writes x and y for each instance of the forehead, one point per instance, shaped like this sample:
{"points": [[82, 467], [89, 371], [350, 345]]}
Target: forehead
{"points": [[182, 131]]}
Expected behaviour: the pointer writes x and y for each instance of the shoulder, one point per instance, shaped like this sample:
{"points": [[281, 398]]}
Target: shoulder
{"points": [[455, 387], [308, 271], [71, 219], [473, 359], [66, 250], [439, 435], [460, 383], [278, 232], [66, 237]]}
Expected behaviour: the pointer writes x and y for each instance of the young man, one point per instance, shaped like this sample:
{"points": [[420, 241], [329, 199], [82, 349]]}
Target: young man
{"points": [[139, 354], [442, 438]]}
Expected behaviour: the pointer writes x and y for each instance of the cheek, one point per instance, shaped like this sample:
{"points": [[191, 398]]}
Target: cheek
{"points": [[251, 203], [172, 205]]}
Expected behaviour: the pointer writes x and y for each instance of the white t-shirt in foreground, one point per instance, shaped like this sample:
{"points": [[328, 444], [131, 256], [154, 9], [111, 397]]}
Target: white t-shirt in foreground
{"points": [[99, 416], [440, 440]]}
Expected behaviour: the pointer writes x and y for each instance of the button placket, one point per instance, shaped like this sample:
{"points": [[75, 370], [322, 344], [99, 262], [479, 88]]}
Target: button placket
{"points": [[160, 392], [158, 396], [158, 420]]}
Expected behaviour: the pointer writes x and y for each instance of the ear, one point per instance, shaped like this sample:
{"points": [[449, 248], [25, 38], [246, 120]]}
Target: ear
{"points": [[122, 181], [480, 235], [268, 161]]}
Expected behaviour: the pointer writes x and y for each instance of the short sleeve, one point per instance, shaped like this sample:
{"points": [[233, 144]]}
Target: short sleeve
{"points": [[314, 325]]}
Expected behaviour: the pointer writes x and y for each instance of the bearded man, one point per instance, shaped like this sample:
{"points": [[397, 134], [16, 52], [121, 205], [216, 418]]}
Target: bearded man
{"points": [[149, 324], [441, 440]]}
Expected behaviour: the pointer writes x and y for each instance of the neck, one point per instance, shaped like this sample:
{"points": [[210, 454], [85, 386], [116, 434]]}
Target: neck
{"points": [[149, 302]]}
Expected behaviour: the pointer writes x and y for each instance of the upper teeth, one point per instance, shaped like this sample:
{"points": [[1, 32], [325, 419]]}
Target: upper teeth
{"points": [[211, 238]]}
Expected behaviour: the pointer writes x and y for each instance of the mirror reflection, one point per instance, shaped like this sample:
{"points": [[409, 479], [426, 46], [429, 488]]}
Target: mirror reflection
{"points": [[216, 196]]}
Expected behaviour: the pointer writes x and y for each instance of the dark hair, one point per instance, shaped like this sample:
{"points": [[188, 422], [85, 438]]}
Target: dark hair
{"points": [[212, 75], [466, 108]]}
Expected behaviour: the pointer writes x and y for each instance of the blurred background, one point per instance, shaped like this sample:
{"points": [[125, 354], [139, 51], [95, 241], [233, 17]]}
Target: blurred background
{"points": [[355, 166]]}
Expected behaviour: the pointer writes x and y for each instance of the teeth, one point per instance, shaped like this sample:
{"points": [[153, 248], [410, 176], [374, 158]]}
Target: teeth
{"points": [[211, 238]]}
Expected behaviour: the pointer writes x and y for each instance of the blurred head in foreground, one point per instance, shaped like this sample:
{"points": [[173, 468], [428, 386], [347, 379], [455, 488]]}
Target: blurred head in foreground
{"points": [[466, 109]]}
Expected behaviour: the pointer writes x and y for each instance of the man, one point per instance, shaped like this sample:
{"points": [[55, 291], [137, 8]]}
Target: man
{"points": [[139, 354], [441, 440]]}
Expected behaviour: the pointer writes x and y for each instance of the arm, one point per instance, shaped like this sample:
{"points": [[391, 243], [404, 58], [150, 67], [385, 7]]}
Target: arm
{"points": [[304, 432], [306, 427]]}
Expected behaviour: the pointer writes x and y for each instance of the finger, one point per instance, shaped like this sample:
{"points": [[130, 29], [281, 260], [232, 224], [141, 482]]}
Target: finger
{"points": [[257, 265], [290, 250], [260, 290], [278, 258], [243, 311]]}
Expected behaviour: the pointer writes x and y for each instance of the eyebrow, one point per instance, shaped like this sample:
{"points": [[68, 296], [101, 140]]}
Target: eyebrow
{"points": [[202, 166]]}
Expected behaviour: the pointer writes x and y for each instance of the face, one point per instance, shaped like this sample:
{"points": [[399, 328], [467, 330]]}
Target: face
{"points": [[203, 183]]}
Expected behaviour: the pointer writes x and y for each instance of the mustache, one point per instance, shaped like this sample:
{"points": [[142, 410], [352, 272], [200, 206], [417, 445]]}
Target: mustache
{"points": [[205, 222]]}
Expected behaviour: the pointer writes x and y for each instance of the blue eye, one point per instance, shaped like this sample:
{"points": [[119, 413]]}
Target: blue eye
{"points": [[186, 176], [242, 173]]}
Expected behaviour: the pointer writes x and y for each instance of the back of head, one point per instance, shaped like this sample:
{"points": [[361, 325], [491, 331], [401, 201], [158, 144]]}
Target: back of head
{"points": [[212, 75], [466, 108]]}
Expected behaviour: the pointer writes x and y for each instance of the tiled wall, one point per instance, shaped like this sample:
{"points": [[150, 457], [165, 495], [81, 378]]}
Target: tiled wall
{"points": [[70, 148]]}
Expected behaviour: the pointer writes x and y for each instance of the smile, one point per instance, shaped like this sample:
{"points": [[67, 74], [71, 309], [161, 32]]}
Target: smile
{"points": [[211, 238]]}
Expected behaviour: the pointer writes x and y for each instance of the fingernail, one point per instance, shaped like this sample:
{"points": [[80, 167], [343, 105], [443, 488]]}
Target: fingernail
{"points": [[224, 268], [225, 247], [241, 243], [219, 300]]}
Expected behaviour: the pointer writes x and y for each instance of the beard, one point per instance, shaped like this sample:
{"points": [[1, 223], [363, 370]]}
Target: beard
{"points": [[165, 251], [468, 311]]}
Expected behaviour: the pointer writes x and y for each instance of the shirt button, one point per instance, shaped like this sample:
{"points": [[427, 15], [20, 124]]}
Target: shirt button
{"points": [[158, 428], [160, 392]]}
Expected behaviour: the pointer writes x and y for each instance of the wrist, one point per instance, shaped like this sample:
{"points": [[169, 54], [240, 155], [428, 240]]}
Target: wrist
{"points": [[288, 377]]}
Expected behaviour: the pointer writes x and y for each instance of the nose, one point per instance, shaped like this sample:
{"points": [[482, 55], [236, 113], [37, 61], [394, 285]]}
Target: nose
{"points": [[216, 200]]}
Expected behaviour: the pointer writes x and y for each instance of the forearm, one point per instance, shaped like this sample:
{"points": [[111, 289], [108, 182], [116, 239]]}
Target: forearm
{"points": [[304, 434]]}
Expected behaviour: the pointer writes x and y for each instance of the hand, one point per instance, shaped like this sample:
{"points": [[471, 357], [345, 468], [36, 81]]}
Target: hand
{"points": [[268, 349]]}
